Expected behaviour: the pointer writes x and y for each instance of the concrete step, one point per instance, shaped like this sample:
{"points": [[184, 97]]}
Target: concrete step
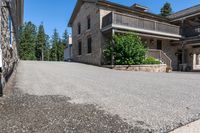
{"points": [[193, 127]]}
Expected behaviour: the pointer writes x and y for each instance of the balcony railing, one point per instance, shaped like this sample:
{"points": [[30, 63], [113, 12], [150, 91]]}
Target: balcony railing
{"points": [[139, 23], [192, 31]]}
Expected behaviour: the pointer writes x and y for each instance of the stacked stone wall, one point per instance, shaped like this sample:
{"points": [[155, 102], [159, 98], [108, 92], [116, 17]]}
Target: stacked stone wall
{"points": [[8, 43]]}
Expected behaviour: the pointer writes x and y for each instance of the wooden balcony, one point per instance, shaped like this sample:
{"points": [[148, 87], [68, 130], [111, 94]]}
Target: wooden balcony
{"points": [[138, 24], [192, 31]]}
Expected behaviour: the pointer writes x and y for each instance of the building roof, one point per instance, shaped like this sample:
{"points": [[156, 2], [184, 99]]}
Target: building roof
{"points": [[115, 6], [185, 12], [141, 7], [76, 9]]}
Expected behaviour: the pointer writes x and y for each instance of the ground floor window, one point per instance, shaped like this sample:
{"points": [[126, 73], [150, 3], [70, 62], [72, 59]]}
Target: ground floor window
{"points": [[159, 44], [89, 44], [79, 48]]}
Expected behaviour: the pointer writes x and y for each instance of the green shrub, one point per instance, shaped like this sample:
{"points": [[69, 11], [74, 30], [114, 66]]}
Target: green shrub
{"points": [[151, 60], [127, 49]]}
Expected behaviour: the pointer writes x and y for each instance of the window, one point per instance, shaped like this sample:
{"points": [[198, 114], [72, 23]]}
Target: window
{"points": [[159, 44], [10, 30], [89, 44], [88, 22], [79, 28], [79, 48]]}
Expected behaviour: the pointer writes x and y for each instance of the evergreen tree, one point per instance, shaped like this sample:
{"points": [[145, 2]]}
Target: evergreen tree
{"points": [[36, 44], [47, 49], [53, 51], [60, 51], [65, 38], [27, 40], [41, 43], [166, 10]]}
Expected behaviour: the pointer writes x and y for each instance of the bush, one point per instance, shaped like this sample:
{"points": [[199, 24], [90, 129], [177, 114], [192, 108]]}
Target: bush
{"points": [[151, 60], [127, 49]]}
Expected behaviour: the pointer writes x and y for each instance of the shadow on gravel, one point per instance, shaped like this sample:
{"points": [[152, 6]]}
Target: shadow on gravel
{"points": [[46, 114], [55, 114]]}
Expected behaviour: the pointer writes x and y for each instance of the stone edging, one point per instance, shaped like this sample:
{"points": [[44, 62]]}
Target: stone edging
{"points": [[144, 68]]}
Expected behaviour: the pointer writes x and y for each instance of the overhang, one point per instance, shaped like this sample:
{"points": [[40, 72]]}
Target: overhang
{"points": [[143, 32]]}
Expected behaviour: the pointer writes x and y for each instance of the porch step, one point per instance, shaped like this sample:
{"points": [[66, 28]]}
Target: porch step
{"points": [[161, 56]]}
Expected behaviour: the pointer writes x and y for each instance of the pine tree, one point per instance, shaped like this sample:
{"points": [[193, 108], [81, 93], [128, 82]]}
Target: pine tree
{"points": [[65, 38], [47, 49], [166, 10], [54, 48], [60, 51], [27, 40], [41, 43]]}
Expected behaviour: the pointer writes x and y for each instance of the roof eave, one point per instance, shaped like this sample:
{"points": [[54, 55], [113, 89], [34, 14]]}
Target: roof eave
{"points": [[76, 9], [78, 3], [184, 13], [119, 6]]}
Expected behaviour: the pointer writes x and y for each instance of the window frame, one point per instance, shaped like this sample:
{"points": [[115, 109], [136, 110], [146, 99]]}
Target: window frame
{"points": [[88, 22], [79, 28], [89, 44], [10, 30], [79, 48]]}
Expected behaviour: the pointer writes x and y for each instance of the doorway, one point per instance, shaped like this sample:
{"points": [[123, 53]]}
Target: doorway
{"points": [[179, 60]]}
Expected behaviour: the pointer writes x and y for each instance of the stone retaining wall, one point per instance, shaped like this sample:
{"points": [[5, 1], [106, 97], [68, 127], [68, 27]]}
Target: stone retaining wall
{"points": [[144, 68], [10, 21]]}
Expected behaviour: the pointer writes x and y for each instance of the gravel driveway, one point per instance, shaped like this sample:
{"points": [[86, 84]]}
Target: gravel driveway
{"points": [[158, 102]]}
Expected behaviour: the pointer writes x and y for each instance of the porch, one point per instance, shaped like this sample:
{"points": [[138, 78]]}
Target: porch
{"points": [[157, 36], [158, 47]]}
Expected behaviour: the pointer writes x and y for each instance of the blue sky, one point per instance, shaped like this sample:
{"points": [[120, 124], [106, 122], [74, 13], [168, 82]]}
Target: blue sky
{"points": [[56, 13]]}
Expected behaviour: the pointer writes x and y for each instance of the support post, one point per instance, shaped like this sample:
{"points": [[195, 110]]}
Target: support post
{"points": [[112, 56], [194, 61], [198, 59], [183, 53], [183, 44]]}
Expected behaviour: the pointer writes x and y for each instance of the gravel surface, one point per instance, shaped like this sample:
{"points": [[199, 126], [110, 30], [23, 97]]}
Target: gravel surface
{"points": [[55, 114], [158, 102]]}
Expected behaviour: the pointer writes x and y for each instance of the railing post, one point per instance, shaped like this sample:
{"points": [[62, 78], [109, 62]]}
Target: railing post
{"points": [[155, 25]]}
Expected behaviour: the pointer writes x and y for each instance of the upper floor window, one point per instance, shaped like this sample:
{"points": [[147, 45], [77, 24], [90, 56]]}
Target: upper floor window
{"points": [[79, 28], [88, 22], [89, 44], [159, 44], [79, 48]]}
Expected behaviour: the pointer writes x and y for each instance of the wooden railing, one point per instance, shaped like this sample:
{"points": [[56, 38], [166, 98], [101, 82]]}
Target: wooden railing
{"points": [[160, 55], [138, 22], [191, 31]]}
